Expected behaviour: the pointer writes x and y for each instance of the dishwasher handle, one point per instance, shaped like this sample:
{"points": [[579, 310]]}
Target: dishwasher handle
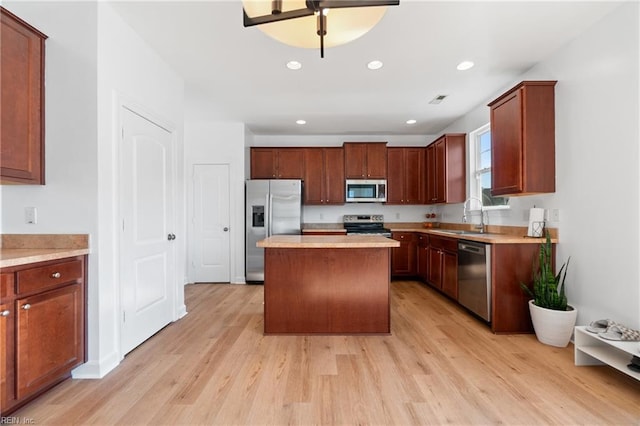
{"points": [[472, 248]]}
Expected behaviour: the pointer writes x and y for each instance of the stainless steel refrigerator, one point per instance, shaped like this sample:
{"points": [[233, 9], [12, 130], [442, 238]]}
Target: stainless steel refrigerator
{"points": [[273, 207]]}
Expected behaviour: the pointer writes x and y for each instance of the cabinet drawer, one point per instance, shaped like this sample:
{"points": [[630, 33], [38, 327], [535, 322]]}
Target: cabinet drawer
{"points": [[404, 236], [449, 244], [37, 279]]}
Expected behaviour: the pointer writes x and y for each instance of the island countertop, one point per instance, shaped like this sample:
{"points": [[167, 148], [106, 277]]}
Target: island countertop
{"points": [[327, 241]]}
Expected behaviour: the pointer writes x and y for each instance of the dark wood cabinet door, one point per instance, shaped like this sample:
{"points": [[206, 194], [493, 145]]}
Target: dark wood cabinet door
{"points": [[314, 176], [446, 169], [376, 160], [22, 101], [263, 163], [6, 354], [440, 171], [430, 179], [291, 163], [435, 267], [523, 140], [50, 337], [334, 176], [506, 145], [355, 160], [450, 274], [396, 176], [423, 262], [414, 175], [403, 258]]}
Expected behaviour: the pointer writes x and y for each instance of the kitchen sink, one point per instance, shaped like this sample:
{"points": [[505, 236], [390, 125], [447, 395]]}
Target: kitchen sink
{"points": [[460, 232]]}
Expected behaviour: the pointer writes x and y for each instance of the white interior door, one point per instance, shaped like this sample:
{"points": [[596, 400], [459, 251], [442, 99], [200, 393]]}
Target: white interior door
{"points": [[147, 272], [210, 243]]}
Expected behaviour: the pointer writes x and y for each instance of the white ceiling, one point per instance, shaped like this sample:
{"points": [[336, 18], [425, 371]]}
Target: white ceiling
{"points": [[234, 73]]}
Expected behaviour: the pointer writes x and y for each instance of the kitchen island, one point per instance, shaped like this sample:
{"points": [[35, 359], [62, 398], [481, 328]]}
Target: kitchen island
{"points": [[327, 284]]}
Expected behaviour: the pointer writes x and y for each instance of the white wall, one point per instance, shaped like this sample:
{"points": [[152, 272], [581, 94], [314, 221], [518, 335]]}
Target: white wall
{"points": [[220, 143], [597, 158]]}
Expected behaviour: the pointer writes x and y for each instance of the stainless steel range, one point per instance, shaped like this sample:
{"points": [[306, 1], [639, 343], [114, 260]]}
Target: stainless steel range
{"points": [[365, 224]]}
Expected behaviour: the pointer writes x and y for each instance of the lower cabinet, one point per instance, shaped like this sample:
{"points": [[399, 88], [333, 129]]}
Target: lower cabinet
{"points": [[442, 268], [423, 257], [403, 258], [42, 327]]}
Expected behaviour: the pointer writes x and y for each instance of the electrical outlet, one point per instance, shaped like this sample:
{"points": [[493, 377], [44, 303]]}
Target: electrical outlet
{"points": [[30, 215], [321, 216], [552, 215], [397, 215]]}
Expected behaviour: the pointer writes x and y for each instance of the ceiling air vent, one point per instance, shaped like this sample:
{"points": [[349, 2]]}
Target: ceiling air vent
{"points": [[437, 99]]}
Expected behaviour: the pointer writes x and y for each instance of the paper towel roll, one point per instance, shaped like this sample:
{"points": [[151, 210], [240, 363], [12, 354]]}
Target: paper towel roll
{"points": [[536, 222]]}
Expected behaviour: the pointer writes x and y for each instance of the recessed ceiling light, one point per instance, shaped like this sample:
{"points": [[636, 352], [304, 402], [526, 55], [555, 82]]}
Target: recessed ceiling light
{"points": [[375, 65], [464, 65], [412, 121], [301, 122], [294, 65]]}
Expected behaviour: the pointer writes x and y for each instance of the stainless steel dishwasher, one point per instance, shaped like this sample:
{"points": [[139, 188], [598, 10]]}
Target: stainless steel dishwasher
{"points": [[474, 277]]}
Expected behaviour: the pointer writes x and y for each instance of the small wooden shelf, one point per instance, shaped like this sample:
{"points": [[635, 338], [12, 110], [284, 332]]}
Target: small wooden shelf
{"points": [[590, 349]]}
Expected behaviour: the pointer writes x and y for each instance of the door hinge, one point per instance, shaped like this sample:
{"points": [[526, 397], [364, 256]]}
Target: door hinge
{"points": [[124, 316]]}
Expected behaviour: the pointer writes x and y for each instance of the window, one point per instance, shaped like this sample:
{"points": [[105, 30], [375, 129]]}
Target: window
{"points": [[480, 165]]}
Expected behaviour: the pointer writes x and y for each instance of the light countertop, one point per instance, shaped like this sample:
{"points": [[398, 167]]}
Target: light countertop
{"points": [[23, 249], [327, 241], [487, 237]]}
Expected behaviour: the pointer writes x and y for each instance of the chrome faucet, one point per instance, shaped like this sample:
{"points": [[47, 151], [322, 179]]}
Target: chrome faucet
{"points": [[479, 227]]}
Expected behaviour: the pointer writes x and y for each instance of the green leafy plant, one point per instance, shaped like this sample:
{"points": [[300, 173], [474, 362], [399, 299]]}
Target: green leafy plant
{"points": [[548, 288]]}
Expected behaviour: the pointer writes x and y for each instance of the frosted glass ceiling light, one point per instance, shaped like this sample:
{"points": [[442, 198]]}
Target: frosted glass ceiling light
{"points": [[299, 23]]}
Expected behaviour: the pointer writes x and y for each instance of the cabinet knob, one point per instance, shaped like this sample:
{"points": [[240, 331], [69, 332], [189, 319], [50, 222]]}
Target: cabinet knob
{"points": [[56, 275], [5, 313], [26, 306]]}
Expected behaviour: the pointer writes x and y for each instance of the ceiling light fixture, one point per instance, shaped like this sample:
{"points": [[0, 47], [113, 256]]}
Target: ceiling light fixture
{"points": [[464, 65], [294, 65], [412, 121], [299, 23], [301, 122], [375, 65]]}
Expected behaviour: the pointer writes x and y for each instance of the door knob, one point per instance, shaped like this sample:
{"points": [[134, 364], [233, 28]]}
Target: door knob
{"points": [[26, 307], [171, 237], [225, 229], [5, 313]]}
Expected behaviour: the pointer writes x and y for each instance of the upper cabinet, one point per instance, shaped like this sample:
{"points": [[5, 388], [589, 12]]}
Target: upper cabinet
{"points": [[446, 169], [365, 160], [324, 176], [405, 175], [523, 140], [22, 101], [277, 163]]}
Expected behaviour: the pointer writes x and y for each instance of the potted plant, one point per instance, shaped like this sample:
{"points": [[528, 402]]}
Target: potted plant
{"points": [[553, 319]]}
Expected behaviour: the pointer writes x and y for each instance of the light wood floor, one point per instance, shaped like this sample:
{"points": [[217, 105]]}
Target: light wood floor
{"points": [[439, 366]]}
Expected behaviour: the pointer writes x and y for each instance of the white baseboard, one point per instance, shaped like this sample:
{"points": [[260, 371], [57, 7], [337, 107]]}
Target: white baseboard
{"points": [[96, 369]]}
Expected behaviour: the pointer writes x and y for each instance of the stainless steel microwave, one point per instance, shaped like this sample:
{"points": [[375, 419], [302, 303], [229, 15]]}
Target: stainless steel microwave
{"points": [[366, 191]]}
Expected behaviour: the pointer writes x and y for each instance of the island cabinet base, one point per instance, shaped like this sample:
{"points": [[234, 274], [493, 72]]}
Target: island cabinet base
{"points": [[327, 291]]}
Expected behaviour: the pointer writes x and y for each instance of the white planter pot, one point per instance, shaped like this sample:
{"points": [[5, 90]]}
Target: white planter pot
{"points": [[553, 327]]}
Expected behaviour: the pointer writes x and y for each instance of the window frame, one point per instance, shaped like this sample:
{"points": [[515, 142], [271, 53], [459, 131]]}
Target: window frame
{"points": [[474, 176]]}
